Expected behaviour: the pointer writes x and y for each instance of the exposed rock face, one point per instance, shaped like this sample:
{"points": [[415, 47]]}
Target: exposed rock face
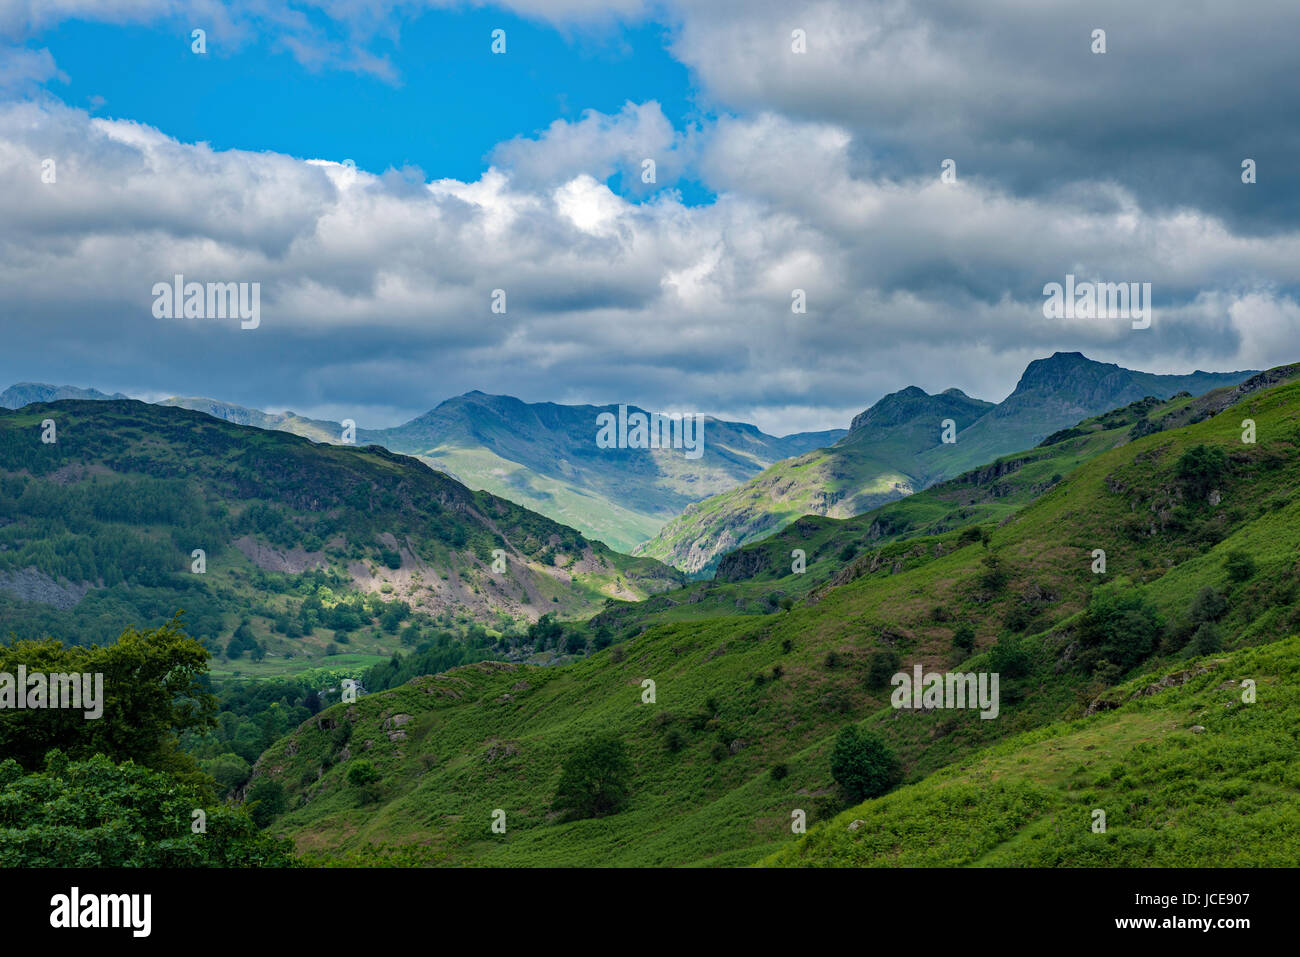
{"points": [[32, 584]]}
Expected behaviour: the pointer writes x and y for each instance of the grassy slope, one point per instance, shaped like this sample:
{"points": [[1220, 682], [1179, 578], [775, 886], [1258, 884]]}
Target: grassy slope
{"points": [[491, 737], [1222, 796], [882, 461], [355, 501]]}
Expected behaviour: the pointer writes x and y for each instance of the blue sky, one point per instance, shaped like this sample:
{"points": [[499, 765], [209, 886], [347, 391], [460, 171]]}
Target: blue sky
{"points": [[449, 102]]}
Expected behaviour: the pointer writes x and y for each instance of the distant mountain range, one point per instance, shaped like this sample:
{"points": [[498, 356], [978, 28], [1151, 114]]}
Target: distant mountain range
{"points": [[688, 513], [539, 455], [896, 448]]}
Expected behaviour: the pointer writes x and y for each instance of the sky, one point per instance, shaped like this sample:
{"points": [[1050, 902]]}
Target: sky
{"points": [[385, 176]]}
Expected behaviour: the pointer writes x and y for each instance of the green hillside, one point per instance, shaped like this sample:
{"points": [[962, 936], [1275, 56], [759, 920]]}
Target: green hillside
{"points": [[1185, 772], [896, 448], [1198, 530], [312, 551], [539, 455]]}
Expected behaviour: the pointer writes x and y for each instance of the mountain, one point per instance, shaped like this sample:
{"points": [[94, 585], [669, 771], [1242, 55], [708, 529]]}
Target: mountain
{"points": [[1054, 393], [896, 448], [25, 393], [317, 430], [540, 455], [544, 456], [307, 545], [1120, 688]]}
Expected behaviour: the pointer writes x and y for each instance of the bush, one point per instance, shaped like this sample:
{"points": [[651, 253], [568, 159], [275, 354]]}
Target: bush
{"points": [[881, 666], [674, 741], [1008, 659], [1119, 625], [362, 774], [1201, 468], [862, 765], [779, 772], [595, 780], [994, 576], [1208, 605], [963, 637], [1240, 566], [265, 801], [1206, 641]]}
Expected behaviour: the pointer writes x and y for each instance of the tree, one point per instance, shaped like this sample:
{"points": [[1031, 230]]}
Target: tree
{"points": [[362, 773], [1119, 625], [1208, 605], [1201, 468], [265, 800], [964, 637], [862, 764], [1207, 640], [1239, 565], [881, 667], [152, 691], [95, 813], [595, 780]]}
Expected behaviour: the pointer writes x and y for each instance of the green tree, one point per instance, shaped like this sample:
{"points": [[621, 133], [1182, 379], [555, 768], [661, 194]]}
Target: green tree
{"points": [[95, 813], [1207, 640], [963, 638], [265, 800], [1201, 468], [1119, 625], [881, 666], [1208, 605], [863, 765], [595, 780], [1239, 565], [152, 692]]}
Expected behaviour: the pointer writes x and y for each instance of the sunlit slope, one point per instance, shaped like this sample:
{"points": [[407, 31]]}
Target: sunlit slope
{"points": [[739, 697]]}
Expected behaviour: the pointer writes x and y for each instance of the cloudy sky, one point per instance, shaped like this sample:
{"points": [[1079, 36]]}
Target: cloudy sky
{"points": [[379, 170]]}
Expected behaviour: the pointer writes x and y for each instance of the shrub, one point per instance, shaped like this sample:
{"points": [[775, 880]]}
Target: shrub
{"points": [[881, 666], [994, 576], [1208, 605], [862, 765], [779, 772], [1119, 625], [595, 780], [362, 774], [963, 637], [1240, 566], [1207, 640], [674, 741], [265, 801], [1201, 468], [1008, 659]]}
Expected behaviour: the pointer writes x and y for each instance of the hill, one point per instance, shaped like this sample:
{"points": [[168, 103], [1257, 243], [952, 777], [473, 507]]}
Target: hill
{"points": [[540, 455], [307, 547], [897, 448], [1201, 557]]}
